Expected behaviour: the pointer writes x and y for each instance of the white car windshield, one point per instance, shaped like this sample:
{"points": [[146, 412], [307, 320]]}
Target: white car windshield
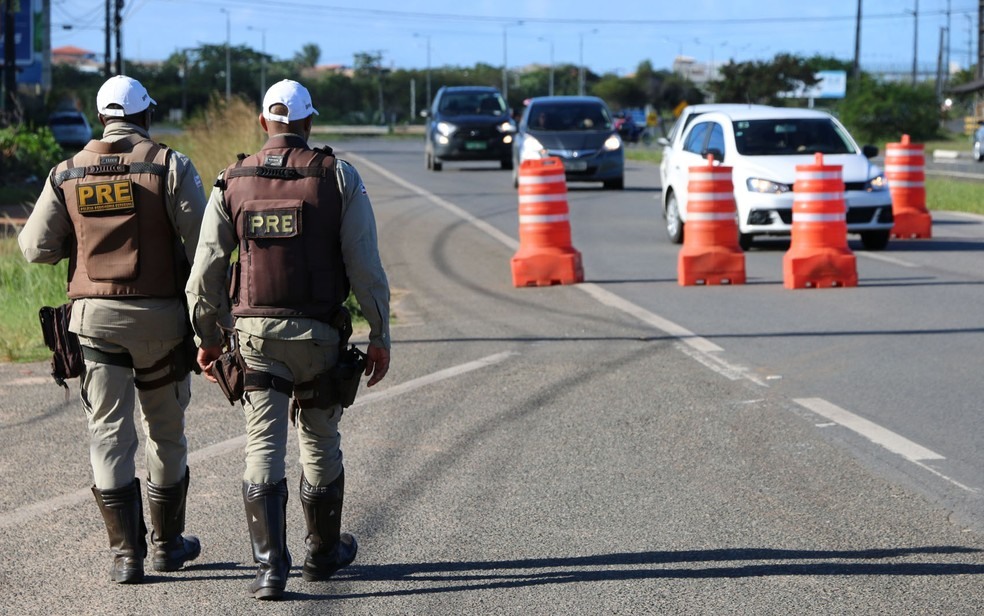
{"points": [[787, 136]]}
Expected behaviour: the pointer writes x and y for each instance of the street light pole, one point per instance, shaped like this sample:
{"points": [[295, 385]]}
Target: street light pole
{"points": [[428, 39], [263, 63], [551, 89], [580, 71], [505, 63], [228, 70]]}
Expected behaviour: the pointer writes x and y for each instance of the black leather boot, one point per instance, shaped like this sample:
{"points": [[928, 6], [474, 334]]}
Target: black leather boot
{"points": [[167, 516], [122, 511], [328, 549], [266, 515]]}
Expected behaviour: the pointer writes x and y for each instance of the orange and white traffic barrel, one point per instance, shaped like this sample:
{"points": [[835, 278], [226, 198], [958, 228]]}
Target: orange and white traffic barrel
{"points": [[545, 256], [710, 252], [905, 164], [818, 254]]}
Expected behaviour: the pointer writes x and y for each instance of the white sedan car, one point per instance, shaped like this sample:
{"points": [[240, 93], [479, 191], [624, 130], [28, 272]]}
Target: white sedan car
{"points": [[764, 145]]}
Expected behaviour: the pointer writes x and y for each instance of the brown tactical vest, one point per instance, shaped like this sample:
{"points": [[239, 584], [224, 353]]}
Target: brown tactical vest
{"points": [[124, 240], [285, 206]]}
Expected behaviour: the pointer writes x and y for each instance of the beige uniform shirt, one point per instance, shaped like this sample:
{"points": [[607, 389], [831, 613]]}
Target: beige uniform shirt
{"points": [[48, 236], [208, 286]]}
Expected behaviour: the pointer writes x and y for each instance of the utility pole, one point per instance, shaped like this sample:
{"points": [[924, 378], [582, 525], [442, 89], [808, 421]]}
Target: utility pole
{"points": [[108, 55], [915, 42], [119, 37], [856, 69]]}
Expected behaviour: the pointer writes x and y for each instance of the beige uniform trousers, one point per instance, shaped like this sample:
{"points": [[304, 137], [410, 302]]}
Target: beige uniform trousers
{"points": [[266, 412], [108, 398]]}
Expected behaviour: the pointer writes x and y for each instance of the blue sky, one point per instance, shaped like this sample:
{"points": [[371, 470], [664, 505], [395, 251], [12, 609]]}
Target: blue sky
{"points": [[610, 37]]}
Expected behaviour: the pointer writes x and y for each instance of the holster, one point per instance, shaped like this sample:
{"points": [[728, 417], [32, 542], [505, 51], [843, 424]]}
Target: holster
{"points": [[230, 371], [337, 385], [66, 359]]}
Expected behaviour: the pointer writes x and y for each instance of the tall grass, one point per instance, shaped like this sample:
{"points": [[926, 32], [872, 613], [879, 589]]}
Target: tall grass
{"points": [[213, 139], [24, 288]]}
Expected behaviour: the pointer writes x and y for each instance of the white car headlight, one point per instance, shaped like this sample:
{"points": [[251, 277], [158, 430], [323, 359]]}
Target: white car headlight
{"points": [[531, 149], [759, 185], [876, 184], [613, 143], [446, 128], [507, 127]]}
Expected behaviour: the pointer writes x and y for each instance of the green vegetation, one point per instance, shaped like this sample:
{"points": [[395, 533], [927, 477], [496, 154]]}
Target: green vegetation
{"points": [[954, 196], [25, 288]]}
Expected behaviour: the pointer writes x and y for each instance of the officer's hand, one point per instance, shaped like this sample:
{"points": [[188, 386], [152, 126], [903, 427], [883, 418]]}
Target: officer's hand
{"points": [[206, 357], [377, 364]]}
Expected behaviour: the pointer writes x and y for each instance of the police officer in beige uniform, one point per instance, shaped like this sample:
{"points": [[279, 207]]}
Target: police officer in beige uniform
{"points": [[306, 235], [126, 213]]}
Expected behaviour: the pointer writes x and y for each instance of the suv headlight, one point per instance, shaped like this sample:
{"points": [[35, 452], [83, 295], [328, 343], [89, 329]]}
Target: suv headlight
{"points": [[613, 143], [507, 127], [758, 185], [446, 128], [531, 149], [876, 184]]}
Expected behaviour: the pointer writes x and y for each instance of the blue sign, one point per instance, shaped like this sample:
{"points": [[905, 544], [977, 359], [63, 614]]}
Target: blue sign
{"points": [[23, 34]]}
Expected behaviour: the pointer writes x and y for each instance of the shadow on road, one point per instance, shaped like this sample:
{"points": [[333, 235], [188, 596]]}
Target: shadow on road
{"points": [[479, 575]]}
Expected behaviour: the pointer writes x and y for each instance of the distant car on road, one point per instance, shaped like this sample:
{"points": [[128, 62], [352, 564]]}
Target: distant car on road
{"points": [[70, 128], [577, 129], [979, 142], [468, 123], [764, 145]]}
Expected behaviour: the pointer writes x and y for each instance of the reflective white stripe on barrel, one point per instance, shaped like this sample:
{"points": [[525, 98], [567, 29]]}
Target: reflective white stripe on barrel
{"points": [[818, 196], [542, 179], [904, 152], [818, 175], [693, 216], [905, 184], [803, 217], [710, 196], [709, 176], [534, 219], [542, 198], [902, 168]]}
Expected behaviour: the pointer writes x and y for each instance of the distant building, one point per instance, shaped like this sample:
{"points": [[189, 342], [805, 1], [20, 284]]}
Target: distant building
{"points": [[82, 59]]}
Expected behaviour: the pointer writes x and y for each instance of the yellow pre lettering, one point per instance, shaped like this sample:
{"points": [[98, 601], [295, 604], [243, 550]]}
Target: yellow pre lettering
{"points": [[85, 193], [272, 224]]}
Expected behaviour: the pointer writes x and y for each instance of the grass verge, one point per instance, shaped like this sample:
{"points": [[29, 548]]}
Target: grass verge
{"points": [[24, 288]]}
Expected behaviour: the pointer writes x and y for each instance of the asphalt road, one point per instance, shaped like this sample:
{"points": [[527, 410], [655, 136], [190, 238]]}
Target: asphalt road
{"points": [[621, 446]]}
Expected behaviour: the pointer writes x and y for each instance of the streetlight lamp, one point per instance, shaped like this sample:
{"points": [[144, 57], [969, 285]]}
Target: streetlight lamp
{"points": [[551, 90], [263, 64], [228, 70], [580, 72], [505, 63], [428, 39]]}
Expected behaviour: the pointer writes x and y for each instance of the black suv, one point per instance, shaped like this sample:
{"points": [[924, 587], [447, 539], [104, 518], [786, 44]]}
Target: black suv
{"points": [[469, 123]]}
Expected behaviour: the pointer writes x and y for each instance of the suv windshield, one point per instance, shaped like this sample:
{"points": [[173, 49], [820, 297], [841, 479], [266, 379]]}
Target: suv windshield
{"points": [[790, 136], [472, 103], [572, 116]]}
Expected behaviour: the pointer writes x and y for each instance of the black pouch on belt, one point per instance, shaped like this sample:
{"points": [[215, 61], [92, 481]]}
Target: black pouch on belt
{"points": [[230, 372], [66, 359]]}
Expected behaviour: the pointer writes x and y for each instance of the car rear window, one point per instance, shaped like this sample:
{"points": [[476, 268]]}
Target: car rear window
{"points": [[67, 121], [469, 103], [569, 117], [787, 136]]}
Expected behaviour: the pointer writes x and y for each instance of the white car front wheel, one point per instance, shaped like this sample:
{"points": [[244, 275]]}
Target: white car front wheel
{"points": [[674, 225]]}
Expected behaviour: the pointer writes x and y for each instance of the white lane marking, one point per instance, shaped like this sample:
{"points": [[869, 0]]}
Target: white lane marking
{"points": [[885, 258], [871, 431], [447, 205], [913, 452], [23, 515]]}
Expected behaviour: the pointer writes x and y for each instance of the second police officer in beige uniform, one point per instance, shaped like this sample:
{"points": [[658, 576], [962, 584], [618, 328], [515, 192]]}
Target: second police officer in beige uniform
{"points": [[306, 234], [125, 212]]}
